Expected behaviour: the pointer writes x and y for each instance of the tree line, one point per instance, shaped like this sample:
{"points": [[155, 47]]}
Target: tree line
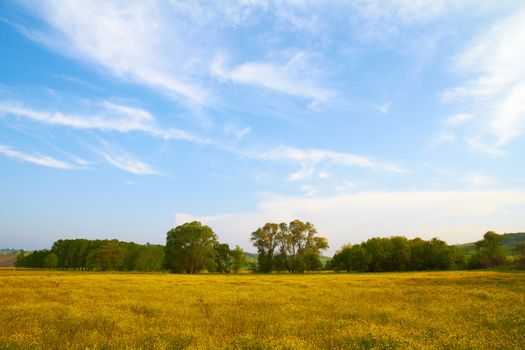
{"points": [[398, 254], [401, 254], [96, 255], [293, 247]]}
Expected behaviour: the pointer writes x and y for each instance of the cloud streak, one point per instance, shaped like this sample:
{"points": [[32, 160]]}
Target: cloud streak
{"points": [[131, 40], [125, 161], [35, 159], [289, 78], [495, 66], [309, 158], [109, 117]]}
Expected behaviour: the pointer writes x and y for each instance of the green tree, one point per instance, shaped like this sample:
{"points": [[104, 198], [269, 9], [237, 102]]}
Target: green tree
{"points": [[109, 256], [399, 254], [223, 258], [190, 248], [351, 258], [265, 239], [51, 261], [377, 251], [300, 246], [441, 255], [294, 247], [238, 258], [419, 254], [489, 251], [34, 259], [149, 258], [519, 249]]}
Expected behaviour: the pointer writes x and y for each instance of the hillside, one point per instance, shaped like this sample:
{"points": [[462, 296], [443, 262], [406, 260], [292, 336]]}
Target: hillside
{"points": [[7, 259], [509, 241]]}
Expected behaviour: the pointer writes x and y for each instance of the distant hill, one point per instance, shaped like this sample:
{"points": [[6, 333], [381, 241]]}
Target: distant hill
{"points": [[7, 259], [509, 241]]}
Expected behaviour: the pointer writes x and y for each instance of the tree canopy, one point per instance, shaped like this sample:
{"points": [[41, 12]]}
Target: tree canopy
{"points": [[397, 254], [190, 248], [293, 247], [489, 251]]}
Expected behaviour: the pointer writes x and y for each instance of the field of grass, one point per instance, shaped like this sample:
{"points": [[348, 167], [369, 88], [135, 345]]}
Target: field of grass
{"points": [[438, 310]]}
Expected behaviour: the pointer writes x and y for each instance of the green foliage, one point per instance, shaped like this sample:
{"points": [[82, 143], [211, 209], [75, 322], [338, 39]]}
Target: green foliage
{"points": [[109, 256], [489, 252], [293, 247], [397, 254], [223, 258], [34, 259], [519, 249], [350, 258], [149, 258], [508, 242], [51, 261], [265, 239], [190, 248], [238, 258], [100, 255]]}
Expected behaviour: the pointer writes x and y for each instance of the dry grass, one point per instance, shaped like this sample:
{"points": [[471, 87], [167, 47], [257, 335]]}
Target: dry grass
{"points": [[440, 310]]}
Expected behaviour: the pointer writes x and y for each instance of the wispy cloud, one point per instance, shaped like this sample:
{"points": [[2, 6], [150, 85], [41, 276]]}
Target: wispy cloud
{"points": [[383, 107], [441, 138], [124, 161], [132, 40], [448, 132], [479, 180], [35, 159], [291, 78], [457, 119], [495, 66], [308, 159], [236, 131], [108, 117], [301, 174]]}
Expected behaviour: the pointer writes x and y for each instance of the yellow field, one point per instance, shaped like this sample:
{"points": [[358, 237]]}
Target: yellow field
{"points": [[452, 310]]}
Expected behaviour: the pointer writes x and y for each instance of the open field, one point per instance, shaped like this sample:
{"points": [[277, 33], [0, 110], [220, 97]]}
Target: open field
{"points": [[437, 310]]}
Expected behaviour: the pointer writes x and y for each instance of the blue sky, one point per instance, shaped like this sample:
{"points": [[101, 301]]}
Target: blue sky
{"points": [[367, 118]]}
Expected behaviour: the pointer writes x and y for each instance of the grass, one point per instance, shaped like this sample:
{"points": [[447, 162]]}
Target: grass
{"points": [[437, 310]]}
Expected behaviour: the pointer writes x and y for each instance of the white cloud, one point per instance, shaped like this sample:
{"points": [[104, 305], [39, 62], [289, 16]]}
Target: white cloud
{"points": [[291, 78], [323, 175], [309, 191], [345, 186], [125, 161], [457, 119], [384, 108], [133, 40], [309, 158], [479, 180], [35, 159], [495, 66], [455, 216], [301, 174], [236, 131], [108, 117], [441, 138]]}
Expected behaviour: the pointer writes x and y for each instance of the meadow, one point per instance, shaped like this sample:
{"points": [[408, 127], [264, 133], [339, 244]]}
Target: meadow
{"points": [[427, 310]]}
